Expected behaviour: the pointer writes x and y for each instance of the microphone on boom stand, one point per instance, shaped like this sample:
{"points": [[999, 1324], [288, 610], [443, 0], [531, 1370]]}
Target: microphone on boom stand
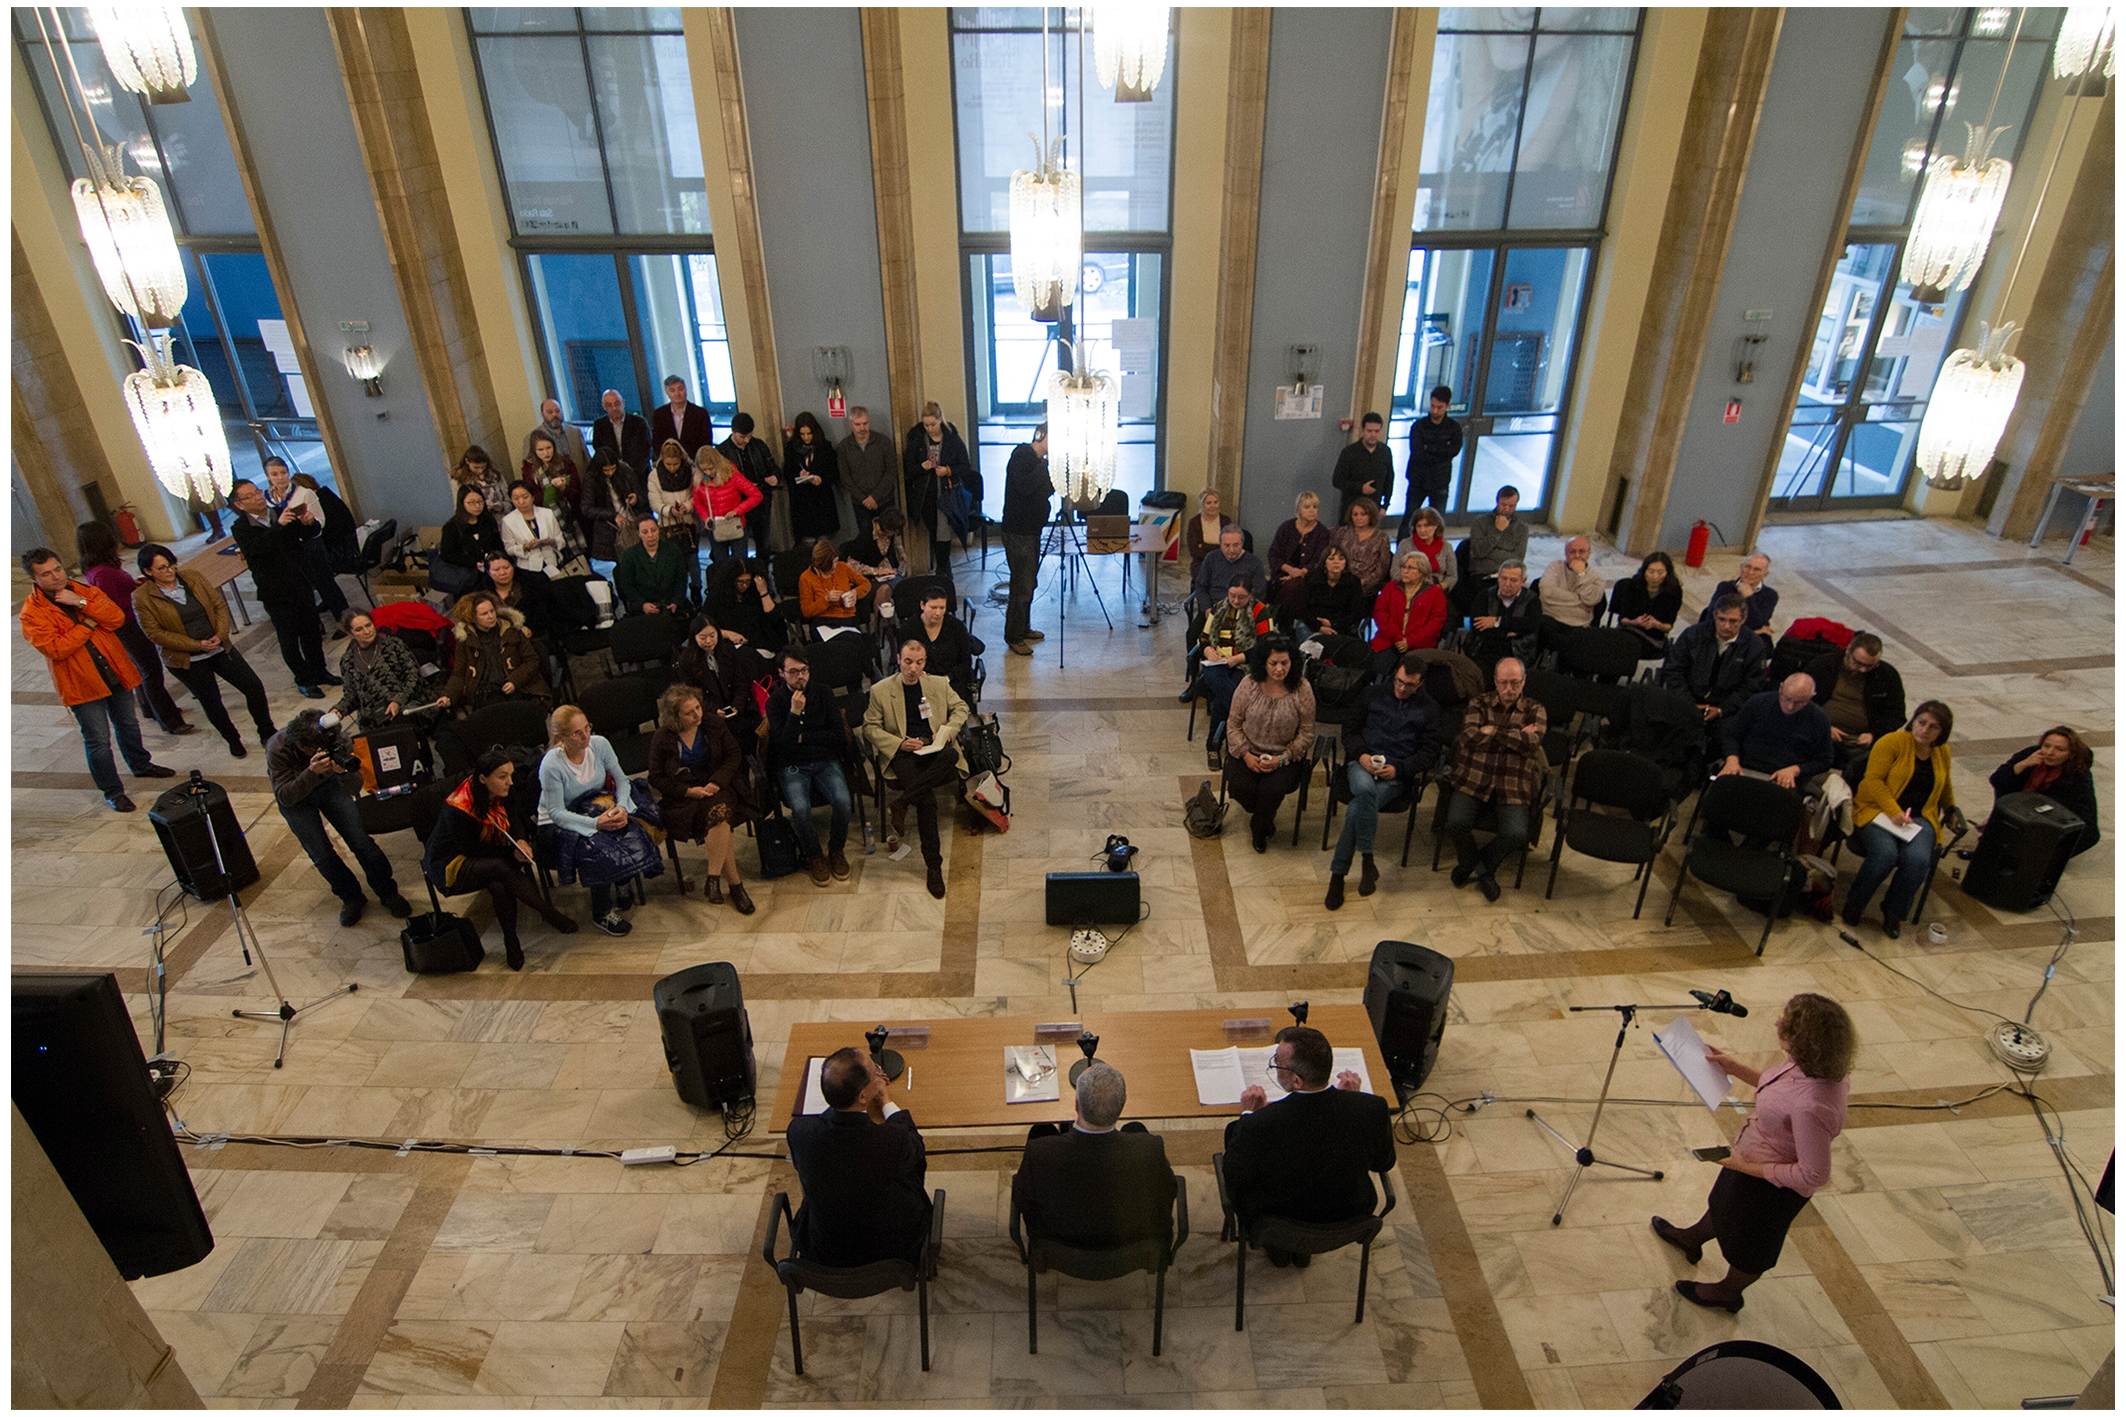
{"points": [[1720, 1003]]}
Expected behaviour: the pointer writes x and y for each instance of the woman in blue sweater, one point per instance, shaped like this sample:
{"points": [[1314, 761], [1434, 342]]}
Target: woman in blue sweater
{"points": [[600, 848]]}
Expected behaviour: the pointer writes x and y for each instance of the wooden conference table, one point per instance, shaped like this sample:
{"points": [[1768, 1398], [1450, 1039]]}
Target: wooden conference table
{"points": [[958, 1075], [220, 571]]}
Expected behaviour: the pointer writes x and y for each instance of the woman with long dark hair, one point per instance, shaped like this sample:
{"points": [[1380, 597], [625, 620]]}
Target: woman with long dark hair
{"points": [[606, 505], [1648, 603], [1333, 602], [98, 545], [698, 770], [2058, 767], [808, 465], [474, 846], [470, 538], [710, 663], [476, 469], [1269, 735], [934, 462]]}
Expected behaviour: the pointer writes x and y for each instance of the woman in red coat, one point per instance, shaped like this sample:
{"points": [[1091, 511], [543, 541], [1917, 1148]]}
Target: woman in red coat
{"points": [[1410, 613]]}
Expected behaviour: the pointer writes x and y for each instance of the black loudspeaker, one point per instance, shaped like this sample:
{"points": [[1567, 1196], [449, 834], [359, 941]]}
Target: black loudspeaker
{"points": [[181, 818], [81, 1083], [708, 1040], [2019, 857], [1406, 1000], [1092, 898]]}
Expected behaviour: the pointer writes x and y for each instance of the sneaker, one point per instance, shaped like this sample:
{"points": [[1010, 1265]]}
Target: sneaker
{"points": [[838, 866], [1334, 900], [818, 868], [612, 923], [310, 691], [397, 905], [351, 912], [119, 802]]}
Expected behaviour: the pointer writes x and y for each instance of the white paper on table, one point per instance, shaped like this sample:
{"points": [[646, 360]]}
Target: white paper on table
{"points": [[1682, 1046], [1218, 1078], [1222, 1074], [1046, 1084], [1353, 1060], [815, 1100], [1903, 833]]}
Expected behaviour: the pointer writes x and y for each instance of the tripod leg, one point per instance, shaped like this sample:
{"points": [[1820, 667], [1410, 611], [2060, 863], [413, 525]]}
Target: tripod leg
{"points": [[1566, 1199]]}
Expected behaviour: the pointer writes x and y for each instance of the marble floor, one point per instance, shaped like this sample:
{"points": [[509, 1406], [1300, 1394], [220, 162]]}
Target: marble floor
{"points": [[1942, 1265]]}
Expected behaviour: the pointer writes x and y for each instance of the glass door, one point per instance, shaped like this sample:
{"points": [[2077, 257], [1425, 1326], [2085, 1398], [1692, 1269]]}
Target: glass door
{"points": [[618, 321]]}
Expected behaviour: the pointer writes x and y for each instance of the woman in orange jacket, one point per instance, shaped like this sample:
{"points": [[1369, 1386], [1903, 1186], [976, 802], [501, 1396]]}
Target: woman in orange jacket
{"points": [[1410, 613], [830, 590]]}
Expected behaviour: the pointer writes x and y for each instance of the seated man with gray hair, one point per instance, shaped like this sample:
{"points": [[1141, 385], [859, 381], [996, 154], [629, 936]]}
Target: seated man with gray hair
{"points": [[1094, 1185]]}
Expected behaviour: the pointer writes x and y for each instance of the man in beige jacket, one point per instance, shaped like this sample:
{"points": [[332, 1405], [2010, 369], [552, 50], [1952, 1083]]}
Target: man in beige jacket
{"points": [[913, 723]]}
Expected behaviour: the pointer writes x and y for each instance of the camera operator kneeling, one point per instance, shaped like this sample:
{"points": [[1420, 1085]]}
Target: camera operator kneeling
{"points": [[475, 847], [305, 761]]}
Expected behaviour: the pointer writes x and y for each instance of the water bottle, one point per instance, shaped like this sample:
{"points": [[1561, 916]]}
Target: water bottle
{"points": [[870, 838]]}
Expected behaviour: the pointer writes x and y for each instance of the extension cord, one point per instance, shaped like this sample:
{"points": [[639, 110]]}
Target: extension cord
{"points": [[2021, 1048], [649, 1155]]}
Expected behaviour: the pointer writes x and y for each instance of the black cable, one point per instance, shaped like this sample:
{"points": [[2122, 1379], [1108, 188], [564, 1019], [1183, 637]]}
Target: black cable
{"points": [[2093, 1232]]}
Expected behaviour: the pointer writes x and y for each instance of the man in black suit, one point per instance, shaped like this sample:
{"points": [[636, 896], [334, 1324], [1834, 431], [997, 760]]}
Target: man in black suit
{"points": [[1306, 1156], [861, 1165], [272, 547], [678, 421], [1096, 1186], [627, 434]]}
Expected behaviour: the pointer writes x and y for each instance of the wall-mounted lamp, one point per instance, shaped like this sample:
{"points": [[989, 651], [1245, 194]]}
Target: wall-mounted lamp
{"points": [[363, 366], [1304, 361]]}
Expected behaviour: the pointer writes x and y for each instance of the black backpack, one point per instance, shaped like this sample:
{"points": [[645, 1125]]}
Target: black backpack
{"points": [[983, 746]]}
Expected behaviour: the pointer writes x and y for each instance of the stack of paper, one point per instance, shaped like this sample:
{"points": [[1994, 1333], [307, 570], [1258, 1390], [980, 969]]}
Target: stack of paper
{"points": [[1030, 1074], [1222, 1074], [813, 1100], [1681, 1045]]}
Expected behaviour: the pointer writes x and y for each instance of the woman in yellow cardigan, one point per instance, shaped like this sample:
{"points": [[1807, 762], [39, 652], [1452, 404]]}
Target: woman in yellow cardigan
{"points": [[1907, 785]]}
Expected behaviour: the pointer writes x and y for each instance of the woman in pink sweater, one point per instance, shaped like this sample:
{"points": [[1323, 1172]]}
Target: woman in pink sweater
{"points": [[1783, 1154]]}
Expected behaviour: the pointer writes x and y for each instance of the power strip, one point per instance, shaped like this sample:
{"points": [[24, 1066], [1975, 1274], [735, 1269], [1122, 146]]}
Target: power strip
{"points": [[649, 1155], [2021, 1048]]}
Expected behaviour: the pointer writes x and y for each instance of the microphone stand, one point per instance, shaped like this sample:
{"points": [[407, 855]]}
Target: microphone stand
{"points": [[1628, 1017]]}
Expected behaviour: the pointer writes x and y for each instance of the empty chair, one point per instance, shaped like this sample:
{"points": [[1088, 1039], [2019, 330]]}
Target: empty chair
{"points": [[1604, 777], [646, 642], [1761, 867], [509, 724], [856, 1282], [623, 711], [1274, 1232], [376, 549], [1562, 698], [1607, 656]]}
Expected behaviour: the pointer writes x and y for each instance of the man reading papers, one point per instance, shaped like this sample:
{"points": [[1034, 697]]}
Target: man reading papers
{"points": [[861, 1164]]}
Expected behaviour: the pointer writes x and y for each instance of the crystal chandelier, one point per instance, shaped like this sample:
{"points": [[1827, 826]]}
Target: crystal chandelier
{"points": [[2085, 38], [1129, 44], [148, 49], [129, 238], [1045, 236], [1084, 422], [1969, 409], [1954, 222], [174, 413]]}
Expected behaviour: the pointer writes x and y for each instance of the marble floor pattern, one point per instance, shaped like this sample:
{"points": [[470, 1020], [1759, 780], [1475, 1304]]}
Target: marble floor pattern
{"points": [[1941, 1266]]}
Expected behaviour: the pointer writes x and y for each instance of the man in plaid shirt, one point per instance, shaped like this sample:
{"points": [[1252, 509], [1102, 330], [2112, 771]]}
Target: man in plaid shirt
{"points": [[1498, 758]]}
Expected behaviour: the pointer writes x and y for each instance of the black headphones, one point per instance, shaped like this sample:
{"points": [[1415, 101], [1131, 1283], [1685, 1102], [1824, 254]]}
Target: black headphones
{"points": [[1118, 851]]}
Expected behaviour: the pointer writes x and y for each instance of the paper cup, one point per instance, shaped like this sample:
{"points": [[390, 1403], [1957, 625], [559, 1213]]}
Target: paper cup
{"points": [[1937, 934]]}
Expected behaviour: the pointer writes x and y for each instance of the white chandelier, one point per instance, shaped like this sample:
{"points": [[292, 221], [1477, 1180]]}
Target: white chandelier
{"points": [[1954, 222], [148, 49], [179, 425], [1045, 238], [1129, 45], [129, 238], [1968, 410], [2085, 37], [1084, 424]]}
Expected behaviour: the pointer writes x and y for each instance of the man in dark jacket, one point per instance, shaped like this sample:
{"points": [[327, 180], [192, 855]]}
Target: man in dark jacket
{"points": [[1864, 697], [1435, 442], [1781, 734], [1027, 489], [756, 464], [272, 549], [306, 788], [678, 421], [1364, 469], [1306, 1156], [626, 434], [1392, 741], [807, 740], [1094, 1185], [1507, 616], [861, 1164], [870, 469], [1714, 663]]}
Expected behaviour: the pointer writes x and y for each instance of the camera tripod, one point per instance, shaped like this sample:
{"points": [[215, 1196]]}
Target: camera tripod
{"points": [[1066, 542]]}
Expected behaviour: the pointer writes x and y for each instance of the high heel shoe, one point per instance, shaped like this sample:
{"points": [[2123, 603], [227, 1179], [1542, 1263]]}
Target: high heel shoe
{"points": [[513, 953]]}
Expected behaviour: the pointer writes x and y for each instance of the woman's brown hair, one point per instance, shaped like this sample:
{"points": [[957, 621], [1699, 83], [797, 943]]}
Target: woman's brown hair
{"points": [[473, 454], [2078, 755], [1939, 712], [1820, 1036], [668, 704]]}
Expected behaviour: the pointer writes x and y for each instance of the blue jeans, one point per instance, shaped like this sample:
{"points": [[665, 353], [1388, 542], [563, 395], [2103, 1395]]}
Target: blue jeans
{"points": [[1223, 680], [1882, 853], [96, 718], [800, 783], [1368, 795], [1512, 834], [330, 802]]}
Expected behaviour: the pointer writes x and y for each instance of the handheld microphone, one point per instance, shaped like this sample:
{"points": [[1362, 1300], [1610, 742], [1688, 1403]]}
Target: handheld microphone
{"points": [[1720, 1003]]}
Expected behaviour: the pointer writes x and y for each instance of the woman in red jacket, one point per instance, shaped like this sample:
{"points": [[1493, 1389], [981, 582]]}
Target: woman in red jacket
{"points": [[1410, 613], [722, 497]]}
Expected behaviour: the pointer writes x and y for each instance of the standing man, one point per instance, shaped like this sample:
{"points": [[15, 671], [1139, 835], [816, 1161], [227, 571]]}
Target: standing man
{"points": [[1364, 469], [861, 1163], [75, 627], [1308, 1155], [1393, 740], [1496, 538], [1026, 492], [272, 549], [568, 439], [909, 713], [768, 523], [1435, 442], [1498, 759], [627, 434], [870, 471], [678, 421]]}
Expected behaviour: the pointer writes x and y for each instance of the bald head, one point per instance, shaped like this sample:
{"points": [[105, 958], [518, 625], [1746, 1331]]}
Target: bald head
{"points": [[1795, 692]]}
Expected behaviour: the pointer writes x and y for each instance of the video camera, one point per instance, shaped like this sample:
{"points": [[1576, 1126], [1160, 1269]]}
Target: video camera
{"points": [[323, 731]]}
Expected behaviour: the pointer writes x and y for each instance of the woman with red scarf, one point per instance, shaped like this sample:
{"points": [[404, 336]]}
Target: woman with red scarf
{"points": [[473, 847]]}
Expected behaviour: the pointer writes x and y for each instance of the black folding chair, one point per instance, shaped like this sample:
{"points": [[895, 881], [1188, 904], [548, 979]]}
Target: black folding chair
{"points": [[1487, 820], [1042, 1254], [1562, 698], [618, 710], [1274, 1232], [1761, 867], [1606, 656], [376, 549], [1604, 777], [513, 723], [646, 643], [857, 1281]]}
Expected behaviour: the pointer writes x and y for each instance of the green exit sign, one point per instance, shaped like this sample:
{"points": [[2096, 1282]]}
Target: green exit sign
{"points": [[1756, 314]]}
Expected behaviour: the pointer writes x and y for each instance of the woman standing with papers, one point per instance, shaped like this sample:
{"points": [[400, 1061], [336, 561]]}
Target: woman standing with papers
{"points": [[1783, 1154]]}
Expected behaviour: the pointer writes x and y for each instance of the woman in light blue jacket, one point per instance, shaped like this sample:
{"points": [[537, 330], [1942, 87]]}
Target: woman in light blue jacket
{"points": [[580, 761]]}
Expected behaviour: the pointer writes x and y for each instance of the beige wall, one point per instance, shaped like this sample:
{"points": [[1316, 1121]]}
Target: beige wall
{"points": [[1203, 51], [941, 325], [1399, 193]]}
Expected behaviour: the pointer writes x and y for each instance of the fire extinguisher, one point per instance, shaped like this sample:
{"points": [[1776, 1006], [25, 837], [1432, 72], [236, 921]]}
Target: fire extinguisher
{"points": [[1700, 537], [128, 525]]}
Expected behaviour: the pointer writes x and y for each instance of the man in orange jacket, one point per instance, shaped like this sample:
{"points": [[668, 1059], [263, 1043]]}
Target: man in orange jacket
{"points": [[74, 626]]}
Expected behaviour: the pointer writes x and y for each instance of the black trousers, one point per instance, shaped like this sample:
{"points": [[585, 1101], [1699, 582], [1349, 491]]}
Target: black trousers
{"points": [[506, 883], [154, 693], [916, 780], [200, 678], [302, 642], [1262, 793]]}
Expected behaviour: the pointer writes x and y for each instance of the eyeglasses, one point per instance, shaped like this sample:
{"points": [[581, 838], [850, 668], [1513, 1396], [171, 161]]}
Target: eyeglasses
{"points": [[1284, 1068]]}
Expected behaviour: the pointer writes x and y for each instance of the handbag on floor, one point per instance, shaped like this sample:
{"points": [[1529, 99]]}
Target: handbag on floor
{"points": [[777, 841], [1204, 814], [438, 942]]}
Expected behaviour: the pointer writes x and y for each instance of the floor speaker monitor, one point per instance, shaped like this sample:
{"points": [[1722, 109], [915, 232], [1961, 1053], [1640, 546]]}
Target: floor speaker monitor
{"points": [[1406, 1001], [708, 1039]]}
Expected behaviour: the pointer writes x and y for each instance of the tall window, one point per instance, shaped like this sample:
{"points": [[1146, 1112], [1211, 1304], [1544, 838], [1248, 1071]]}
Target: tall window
{"points": [[592, 115], [1521, 131], [1123, 154], [232, 329], [1878, 347]]}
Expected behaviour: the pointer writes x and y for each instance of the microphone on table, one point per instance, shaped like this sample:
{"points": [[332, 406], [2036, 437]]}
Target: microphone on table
{"points": [[1720, 1003]]}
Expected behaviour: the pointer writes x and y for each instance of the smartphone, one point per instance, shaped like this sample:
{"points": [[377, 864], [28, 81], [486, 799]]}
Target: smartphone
{"points": [[1710, 1153]]}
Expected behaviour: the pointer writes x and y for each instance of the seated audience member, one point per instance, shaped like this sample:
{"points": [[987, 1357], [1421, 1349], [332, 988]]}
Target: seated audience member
{"points": [[1309, 1155], [1364, 468], [1571, 593], [908, 713], [1409, 614], [861, 1165], [809, 740], [309, 793], [726, 502], [1715, 664], [1863, 696], [652, 574], [1269, 735], [698, 771], [1202, 533], [2058, 767], [474, 847], [469, 538], [877, 553], [1907, 785], [1093, 1185], [578, 833], [950, 647], [1495, 538], [1507, 616], [710, 664], [1332, 602], [381, 678], [530, 594], [1229, 632], [1498, 758], [1428, 534], [1780, 734], [828, 590], [610, 500], [1648, 603], [1391, 741], [1365, 545], [1295, 550], [495, 659], [189, 623], [531, 533], [1228, 565], [1759, 600], [741, 598]]}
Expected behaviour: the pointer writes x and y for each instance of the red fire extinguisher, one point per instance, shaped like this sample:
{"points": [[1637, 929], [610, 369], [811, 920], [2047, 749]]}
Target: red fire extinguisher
{"points": [[1699, 539], [128, 525]]}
